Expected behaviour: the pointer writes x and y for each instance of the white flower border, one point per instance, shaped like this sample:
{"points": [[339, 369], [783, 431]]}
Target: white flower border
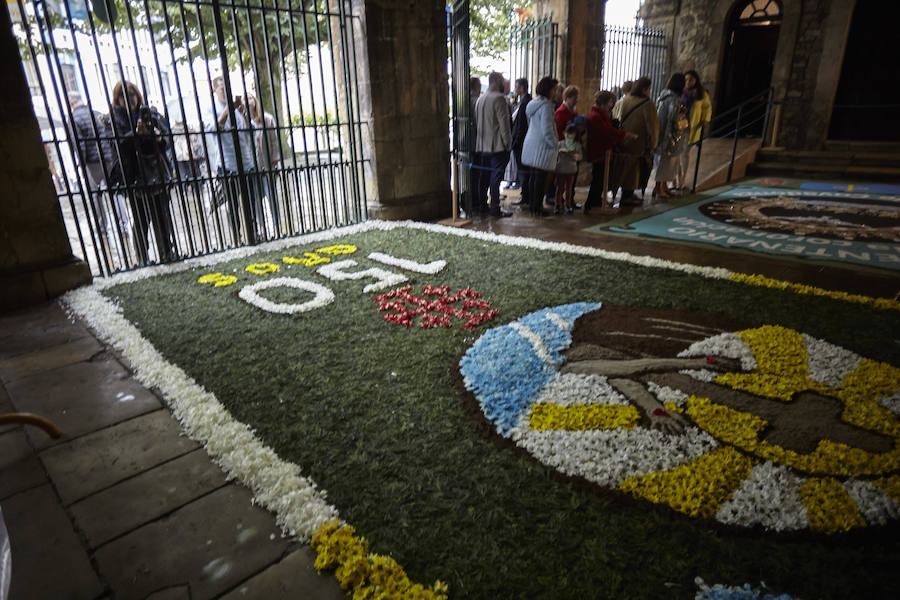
{"points": [[298, 504]]}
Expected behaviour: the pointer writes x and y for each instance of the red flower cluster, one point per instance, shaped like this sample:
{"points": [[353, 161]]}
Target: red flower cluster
{"points": [[436, 305]]}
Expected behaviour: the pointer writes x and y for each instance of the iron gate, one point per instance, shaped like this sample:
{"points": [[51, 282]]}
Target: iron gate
{"points": [[632, 52], [533, 47], [176, 128], [463, 120]]}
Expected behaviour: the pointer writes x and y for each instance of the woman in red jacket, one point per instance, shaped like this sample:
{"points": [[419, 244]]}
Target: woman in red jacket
{"points": [[602, 136]]}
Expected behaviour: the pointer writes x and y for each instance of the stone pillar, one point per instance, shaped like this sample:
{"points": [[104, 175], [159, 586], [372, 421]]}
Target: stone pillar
{"points": [[404, 101], [580, 56], [36, 261]]}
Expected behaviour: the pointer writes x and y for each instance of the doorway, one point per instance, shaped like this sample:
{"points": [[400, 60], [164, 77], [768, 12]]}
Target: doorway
{"points": [[865, 105], [750, 45]]}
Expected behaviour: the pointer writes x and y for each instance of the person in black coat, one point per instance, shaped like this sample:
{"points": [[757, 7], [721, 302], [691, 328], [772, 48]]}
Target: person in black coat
{"points": [[142, 164], [519, 129]]}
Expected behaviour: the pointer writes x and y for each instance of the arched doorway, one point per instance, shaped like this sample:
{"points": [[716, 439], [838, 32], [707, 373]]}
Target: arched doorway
{"points": [[750, 44], [865, 105]]}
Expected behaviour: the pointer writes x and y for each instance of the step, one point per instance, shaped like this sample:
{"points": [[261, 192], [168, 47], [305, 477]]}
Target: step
{"points": [[874, 159], [854, 172], [862, 146]]}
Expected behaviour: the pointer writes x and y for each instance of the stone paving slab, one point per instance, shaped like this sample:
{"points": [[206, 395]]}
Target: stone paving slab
{"points": [[14, 447], [81, 398], [211, 545], [37, 328], [6, 406], [48, 560], [293, 577], [19, 468], [20, 476], [41, 361], [148, 496], [98, 460]]}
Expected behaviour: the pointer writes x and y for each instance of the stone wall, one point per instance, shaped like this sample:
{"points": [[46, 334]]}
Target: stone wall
{"points": [[580, 53], [36, 261], [811, 41], [798, 128], [405, 107]]}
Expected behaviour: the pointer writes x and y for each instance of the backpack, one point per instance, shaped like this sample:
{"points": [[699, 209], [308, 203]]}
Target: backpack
{"points": [[678, 130]]}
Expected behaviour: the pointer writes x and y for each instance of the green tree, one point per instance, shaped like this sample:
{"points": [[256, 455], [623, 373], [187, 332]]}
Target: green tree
{"points": [[264, 40], [490, 23]]}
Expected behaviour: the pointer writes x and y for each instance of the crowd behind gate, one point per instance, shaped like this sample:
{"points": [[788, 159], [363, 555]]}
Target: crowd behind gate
{"points": [[537, 143], [137, 166]]}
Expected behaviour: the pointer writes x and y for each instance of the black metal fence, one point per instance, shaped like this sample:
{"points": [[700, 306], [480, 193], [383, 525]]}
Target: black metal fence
{"points": [[463, 120], [533, 48], [176, 128], [632, 52]]}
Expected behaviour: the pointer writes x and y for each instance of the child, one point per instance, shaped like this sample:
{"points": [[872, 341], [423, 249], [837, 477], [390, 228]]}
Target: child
{"points": [[570, 150]]}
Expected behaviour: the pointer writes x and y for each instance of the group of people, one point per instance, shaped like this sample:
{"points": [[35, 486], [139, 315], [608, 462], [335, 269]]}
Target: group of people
{"points": [[136, 156], [548, 139]]}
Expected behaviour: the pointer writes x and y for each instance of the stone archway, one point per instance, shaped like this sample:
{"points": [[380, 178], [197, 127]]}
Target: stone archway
{"points": [[720, 18], [751, 44]]}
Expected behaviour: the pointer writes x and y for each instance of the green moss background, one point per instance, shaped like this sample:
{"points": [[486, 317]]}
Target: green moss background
{"points": [[371, 411]]}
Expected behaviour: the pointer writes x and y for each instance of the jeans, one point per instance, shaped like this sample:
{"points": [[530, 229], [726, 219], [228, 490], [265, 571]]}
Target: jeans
{"points": [[492, 164]]}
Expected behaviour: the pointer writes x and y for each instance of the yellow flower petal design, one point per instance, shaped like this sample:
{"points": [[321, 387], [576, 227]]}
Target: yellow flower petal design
{"points": [[583, 417], [781, 364], [697, 488], [860, 392], [261, 268], [798, 288], [726, 424], [829, 507], [309, 260], [782, 372], [218, 279], [363, 574]]}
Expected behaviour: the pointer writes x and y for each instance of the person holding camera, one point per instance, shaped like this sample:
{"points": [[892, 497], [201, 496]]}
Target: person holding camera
{"points": [[143, 166], [225, 159]]}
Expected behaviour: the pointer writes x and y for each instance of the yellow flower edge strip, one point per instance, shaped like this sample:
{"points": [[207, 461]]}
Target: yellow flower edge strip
{"points": [[583, 417], [829, 507], [363, 574], [697, 488], [799, 288]]}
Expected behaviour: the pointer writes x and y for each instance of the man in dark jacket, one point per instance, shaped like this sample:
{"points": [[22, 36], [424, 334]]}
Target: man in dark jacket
{"points": [[85, 126], [519, 129]]}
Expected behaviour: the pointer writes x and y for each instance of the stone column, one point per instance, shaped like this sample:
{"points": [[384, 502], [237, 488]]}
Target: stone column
{"points": [[36, 261], [580, 45], [404, 100]]}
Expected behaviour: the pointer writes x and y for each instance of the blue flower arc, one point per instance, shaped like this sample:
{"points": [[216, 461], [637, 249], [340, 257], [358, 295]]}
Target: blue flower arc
{"points": [[508, 366]]}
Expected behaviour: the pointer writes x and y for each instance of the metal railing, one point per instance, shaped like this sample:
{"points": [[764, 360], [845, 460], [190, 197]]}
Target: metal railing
{"points": [[742, 119], [177, 164], [631, 52], [533, 48]]}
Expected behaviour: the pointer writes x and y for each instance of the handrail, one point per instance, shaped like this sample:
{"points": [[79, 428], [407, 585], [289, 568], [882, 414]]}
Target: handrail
{"points": [[740, 123], [749, 99]]}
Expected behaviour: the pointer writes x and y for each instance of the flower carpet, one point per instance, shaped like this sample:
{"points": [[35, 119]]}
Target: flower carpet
{"points": [[448, 413], [847, 224]]}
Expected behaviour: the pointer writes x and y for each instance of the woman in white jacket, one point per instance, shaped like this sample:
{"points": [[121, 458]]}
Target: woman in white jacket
{"points": [[539, 151]]}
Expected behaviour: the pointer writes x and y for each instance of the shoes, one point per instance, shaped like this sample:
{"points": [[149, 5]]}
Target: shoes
{"points": [[520, 202], [569, 210], [501, 214], [513, 186], [557, 210], [579, 205]]}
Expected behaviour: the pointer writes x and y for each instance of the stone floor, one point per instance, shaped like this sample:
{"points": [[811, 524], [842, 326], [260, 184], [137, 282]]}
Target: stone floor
{"points": [[124, 506]]}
